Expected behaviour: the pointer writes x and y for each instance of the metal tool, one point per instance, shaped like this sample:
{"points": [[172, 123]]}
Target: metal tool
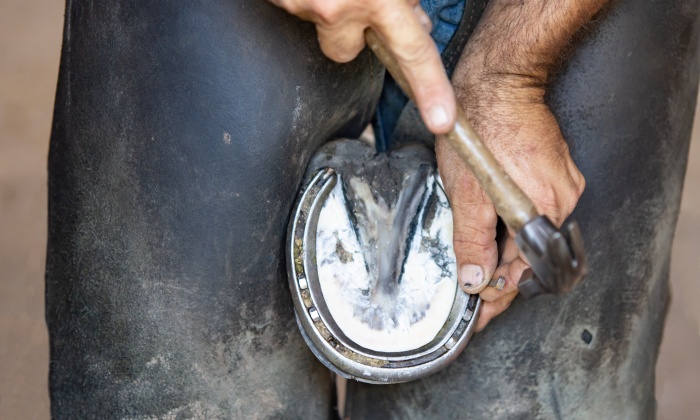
{"points": [[498, 283], [557, 258]]}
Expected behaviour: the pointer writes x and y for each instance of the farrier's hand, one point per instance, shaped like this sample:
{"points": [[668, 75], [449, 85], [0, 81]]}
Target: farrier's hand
{"points": [[500, 83], [523, 135], [404, 27]]}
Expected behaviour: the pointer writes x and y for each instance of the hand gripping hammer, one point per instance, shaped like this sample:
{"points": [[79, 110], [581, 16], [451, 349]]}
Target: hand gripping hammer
{"points": [[557, 258]]}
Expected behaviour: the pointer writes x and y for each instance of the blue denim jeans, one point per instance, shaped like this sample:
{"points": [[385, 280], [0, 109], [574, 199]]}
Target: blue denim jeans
{"points": [[452, 21]]}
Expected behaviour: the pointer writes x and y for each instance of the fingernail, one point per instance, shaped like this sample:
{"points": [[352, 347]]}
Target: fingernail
{"points": [[471, 275], [438, 117]]}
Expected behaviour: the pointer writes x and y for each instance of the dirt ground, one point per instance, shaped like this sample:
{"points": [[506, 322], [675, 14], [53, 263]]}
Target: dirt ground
{"points": [[30, 41]]}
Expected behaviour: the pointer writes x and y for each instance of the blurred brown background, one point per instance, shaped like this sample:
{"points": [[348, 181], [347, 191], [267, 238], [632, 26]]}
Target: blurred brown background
{"points": [[30, 43]]}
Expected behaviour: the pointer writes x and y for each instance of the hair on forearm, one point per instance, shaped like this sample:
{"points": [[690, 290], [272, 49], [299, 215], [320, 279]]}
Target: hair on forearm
{"points": [[529, 38], [575, 40]]}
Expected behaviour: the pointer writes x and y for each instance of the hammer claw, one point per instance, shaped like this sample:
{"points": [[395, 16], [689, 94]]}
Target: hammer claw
{"points": [[557, 258]]}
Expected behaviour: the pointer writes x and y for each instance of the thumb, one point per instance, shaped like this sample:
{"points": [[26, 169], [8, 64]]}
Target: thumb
{"points": [[474, 220]]}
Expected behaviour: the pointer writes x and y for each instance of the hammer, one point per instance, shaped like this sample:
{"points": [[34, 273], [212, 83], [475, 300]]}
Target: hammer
{"points": [[557, 257]]}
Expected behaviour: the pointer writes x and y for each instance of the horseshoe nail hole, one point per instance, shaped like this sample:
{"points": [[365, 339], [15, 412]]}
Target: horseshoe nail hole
{"points": [[586, 336]]}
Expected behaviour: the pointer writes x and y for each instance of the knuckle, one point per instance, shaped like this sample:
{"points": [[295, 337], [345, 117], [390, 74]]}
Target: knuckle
{"points": [[473, 247], [290, 6], [327, 47], [340, 48], [328, 12], [570, 202], [548, 204], [344, 57], [555, 214], [414, 53], [572, 195], [335, 54], [580, 184], [474, 235], [577, 181], [474, 230], [464, 240], [481, 211], [558, 204]]}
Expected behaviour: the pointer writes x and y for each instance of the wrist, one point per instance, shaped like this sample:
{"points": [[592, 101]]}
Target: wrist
{"points": [[517, 44], [480, 83]]}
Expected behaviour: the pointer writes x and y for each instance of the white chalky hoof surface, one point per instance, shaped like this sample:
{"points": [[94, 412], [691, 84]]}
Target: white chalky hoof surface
{"points": [[384, 254]]}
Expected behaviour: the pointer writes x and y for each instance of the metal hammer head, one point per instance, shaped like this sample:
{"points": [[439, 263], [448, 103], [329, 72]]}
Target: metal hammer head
{"points": [[557, 258]]}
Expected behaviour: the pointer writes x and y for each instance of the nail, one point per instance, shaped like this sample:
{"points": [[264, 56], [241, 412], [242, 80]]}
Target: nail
{"points": [[499, 283], [438, 117], [471, 275]]}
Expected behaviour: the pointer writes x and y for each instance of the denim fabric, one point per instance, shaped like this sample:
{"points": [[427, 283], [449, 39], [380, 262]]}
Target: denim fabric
{"points": [[445, 15]]}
